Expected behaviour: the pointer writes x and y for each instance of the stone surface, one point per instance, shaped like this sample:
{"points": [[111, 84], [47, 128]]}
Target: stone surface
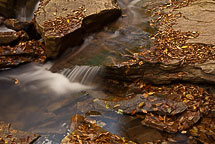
{"points": [[63, 23], [198, 17], [8, 37], [158, 73], [27, 26], [16, 24], [23, 52], [7, 8], [10, 135], [139, 104]]}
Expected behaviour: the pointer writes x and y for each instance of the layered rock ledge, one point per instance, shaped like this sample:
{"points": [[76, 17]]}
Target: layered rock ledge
{"points": [[63, 24], [10, 135]]}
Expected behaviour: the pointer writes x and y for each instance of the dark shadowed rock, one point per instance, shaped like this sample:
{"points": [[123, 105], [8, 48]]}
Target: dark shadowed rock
{"points": [[7, 8], [8, 37], [16, 24], [27, 26], [173, 125], [10, 135], [63, 23], [23, 52]]}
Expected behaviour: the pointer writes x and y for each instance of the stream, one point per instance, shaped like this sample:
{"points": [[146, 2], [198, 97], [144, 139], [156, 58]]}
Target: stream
{"points": [[37, 100]]}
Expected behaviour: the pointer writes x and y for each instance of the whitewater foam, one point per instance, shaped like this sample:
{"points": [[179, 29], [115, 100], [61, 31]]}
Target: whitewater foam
{"points": [[39, 78]]}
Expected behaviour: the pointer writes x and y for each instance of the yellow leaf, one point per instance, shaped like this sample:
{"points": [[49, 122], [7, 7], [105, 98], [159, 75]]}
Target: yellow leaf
{"points": [[141, 86], [184, 47], [141, 63], [166, 50], [151, 93], [68, 20], [144, 111], [189, 96], [141, 104]]}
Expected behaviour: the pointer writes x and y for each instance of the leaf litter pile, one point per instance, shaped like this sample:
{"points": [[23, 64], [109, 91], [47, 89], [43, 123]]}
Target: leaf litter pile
{"points": [[85, 132], [61, 26], [174, 108], [29, 51]]}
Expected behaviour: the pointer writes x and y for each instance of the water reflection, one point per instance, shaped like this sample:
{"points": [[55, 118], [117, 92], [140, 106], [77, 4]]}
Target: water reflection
{"points": [[114, 42]]}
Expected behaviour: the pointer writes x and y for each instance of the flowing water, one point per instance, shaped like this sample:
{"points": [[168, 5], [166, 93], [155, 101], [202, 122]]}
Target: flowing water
{"points": [[35, 99], [5, 29], [83, 74], [25, 10]]}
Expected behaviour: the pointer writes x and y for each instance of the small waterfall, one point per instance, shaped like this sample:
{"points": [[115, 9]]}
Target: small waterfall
{"points": [[26, 12], [37, 78], [82, 74], [22, 16]]}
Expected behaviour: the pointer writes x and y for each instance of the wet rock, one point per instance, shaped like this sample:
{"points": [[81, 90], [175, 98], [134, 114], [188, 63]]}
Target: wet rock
{"points": [[8, 37], [145, 104], [63, 23], [172, 125], [143, 134], [160, 73], [30, 51], [1, 20], [7, 8], [27, 26], [83, 131], [10, 135], [204, 131], [17, 25]]}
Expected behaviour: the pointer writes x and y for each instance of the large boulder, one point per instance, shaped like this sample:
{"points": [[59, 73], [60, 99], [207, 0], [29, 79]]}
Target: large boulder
{"points": [[62, 23]]}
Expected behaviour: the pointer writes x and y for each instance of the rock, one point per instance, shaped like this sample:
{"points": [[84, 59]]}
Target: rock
{"points": [[141, 104], [10, 135], [17, 25], [62, 23], [204, 131], [7, 8], [8, 37], [83, 131], [143, 134], [172, 125], [21, 53], [198, 17], [160, 73]]}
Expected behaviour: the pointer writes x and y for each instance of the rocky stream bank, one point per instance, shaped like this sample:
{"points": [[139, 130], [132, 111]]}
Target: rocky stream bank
{"points": [[167, 83]]}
